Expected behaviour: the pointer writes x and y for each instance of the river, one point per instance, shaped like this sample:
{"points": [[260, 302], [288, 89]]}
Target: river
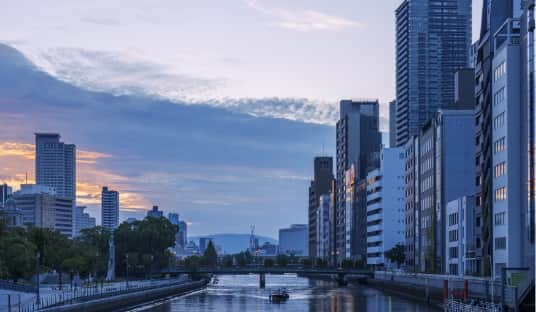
{"points": [[242, 293]]}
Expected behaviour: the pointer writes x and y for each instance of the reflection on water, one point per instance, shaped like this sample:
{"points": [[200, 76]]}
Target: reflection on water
{"points": [[242, 293]]}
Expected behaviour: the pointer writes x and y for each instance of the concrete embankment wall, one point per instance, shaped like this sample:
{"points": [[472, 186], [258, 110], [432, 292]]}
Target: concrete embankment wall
{"points": [[429, 287], [129, 299]]}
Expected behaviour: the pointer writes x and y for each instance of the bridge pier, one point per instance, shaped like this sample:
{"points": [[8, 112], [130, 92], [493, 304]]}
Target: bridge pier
{"points": [[262, 280], [341, 281]]}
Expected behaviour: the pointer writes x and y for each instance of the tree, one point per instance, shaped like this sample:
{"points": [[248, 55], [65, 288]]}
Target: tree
{"points": [[396, 254], [268, 263], [18, 254], [228, 261], [321, 263], [306, 262], [282, 260], [347, 264], [210, 256]]}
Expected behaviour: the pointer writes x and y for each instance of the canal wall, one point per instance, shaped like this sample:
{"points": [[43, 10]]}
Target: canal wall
{"points": [[431, 287], [131, 299]]}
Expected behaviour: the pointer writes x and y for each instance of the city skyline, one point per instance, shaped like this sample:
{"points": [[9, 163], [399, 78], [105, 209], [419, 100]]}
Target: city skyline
{"points": [[133, 172]]}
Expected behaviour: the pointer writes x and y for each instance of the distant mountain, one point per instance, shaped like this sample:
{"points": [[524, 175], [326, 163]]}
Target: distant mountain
{"points": [[233, 243]]}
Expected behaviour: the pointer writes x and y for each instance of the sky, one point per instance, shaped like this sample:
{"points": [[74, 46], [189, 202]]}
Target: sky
{"points": [[268, 74]]}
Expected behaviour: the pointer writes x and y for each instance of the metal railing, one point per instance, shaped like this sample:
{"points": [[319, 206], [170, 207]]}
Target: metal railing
{"points": [[85, 293]]}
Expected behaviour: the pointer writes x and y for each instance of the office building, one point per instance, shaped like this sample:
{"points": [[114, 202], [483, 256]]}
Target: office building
{"points": [[460, 237], [358, 142], [5, 193], [293, 241], [428, 52], [155, 213], [511, 241], [439, 169], [183, 233], [385, 206], [392, 123], [494, 14], [322, 227], [528, 131], [109, 208], [323, 175], [10, 215], [173, 218], [82, 220], [55, 164], [412, 204], [42, 207], [203, 244]]}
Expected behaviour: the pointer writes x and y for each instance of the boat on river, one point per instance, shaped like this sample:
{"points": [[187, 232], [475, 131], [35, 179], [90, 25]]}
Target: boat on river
{"points": [[279, 295]]}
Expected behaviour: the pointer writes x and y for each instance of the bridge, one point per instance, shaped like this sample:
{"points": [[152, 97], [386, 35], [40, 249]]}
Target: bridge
{"points": [[340, 273]]}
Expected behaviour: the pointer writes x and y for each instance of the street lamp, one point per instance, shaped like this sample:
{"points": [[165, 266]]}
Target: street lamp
{"points": [[37, 257], [126, 274]]}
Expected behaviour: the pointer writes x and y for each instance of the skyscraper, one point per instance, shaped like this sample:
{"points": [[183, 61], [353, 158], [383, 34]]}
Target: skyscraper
{"points": [[494, 14], [109, 208], [392, 123], [55, 164], [358, 141], [5, 192], [323, 175], [155, 213], [433, 40]]}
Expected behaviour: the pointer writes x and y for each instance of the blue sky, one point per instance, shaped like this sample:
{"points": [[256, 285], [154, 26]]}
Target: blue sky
{"points": [[266, 74]]}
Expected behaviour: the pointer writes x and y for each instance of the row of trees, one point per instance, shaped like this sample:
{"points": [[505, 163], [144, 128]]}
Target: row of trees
{"points": [[395, 255], [143, 245]]}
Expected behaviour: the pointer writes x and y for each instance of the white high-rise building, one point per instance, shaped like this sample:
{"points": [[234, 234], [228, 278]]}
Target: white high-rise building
{"points": [[109, 208], [385, 206], [322, 227], [460, 237], [55, 164]]}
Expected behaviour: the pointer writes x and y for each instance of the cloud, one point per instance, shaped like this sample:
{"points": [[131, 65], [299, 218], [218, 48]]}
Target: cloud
{"points": [[122, 73], [303, 21]]}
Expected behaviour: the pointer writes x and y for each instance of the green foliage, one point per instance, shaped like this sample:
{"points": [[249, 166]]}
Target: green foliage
{"points": [[228, 261], [307, 262], [146, 242], [242, 258], [359, 264], [396, 254], [347, 264], [210, 257], [192, 263], [269, 263], [321, 263], [18, 256], [282, 260]]}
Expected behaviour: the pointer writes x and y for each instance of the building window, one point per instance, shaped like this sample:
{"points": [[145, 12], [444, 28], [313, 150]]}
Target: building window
{"points": [[500, 169], [499, 145], [498, 97], [477, 221], [453, 252], [500, 193], [499, 71], [500, 218], [453, 235], [453, 269], [498, 121], [500, 243], [453, 219]]}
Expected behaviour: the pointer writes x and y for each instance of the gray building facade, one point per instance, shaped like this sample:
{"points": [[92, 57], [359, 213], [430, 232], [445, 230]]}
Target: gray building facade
{"points": [[358, 142], [321, 185], [109, 208]]}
